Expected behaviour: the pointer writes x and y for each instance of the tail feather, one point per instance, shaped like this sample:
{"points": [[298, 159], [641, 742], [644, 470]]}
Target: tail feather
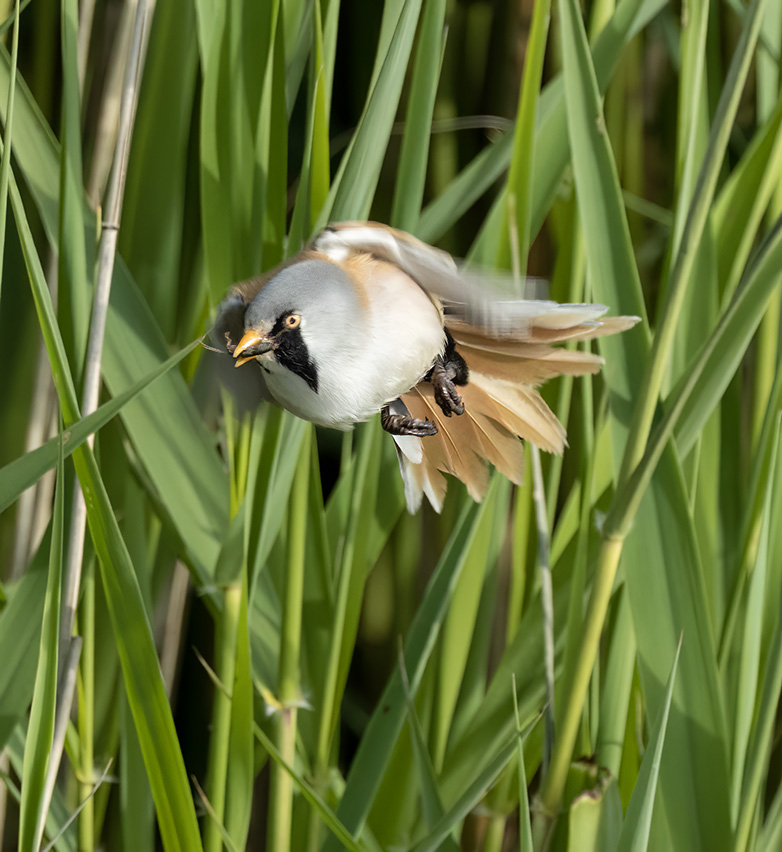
{"points": [[420, 478], [502, 403], [520, 409], [453, 449], [496, 414], [496, 444], [530, 363], [540, 329]]}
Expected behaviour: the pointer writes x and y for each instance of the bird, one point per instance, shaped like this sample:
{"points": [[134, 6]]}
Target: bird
{"points": [[369, 319]]}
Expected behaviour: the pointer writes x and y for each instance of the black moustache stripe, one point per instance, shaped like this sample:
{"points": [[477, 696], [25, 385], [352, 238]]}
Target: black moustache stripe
{"points": [[293, 354]]}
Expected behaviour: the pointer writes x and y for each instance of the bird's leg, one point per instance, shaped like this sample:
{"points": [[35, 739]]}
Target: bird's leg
{"points": [[397, 420], [449, 370]]}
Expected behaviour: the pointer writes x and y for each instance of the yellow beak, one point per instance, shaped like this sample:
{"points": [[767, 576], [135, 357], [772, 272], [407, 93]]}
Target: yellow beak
{"points": [[252, 340]]}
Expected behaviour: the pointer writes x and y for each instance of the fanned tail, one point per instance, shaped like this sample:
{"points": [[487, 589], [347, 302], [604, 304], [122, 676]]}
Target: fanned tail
{"points": [[502, 403]]}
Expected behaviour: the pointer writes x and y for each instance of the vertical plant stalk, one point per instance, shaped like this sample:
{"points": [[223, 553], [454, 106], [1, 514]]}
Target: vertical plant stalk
{"points": [[66, 687], [546, 599], [32, 516], [608, 561], [219, 741], [346, 561], [86, 717], [107, 253], [288, 688]]}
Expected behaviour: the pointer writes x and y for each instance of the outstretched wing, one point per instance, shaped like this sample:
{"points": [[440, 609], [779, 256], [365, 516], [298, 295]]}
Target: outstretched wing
{"points": [[493, 302]]}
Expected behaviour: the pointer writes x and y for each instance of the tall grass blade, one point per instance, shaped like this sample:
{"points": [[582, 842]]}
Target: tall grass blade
{"points": [[764, 714], [461, 628], [517, 208], [355, 182], [5, 166], [239, 788], [132, 633], [413, 158], [40, 730], [431, 803], [75, 264], [20, 635], [471, 796], [638, 821]]}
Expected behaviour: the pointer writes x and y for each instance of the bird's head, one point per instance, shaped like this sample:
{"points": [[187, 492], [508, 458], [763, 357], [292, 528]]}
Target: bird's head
{"points": [[301, 317]]}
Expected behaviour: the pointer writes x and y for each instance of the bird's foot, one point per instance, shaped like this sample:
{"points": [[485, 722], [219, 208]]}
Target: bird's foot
{"points": [[405, 424], [445, 395]]}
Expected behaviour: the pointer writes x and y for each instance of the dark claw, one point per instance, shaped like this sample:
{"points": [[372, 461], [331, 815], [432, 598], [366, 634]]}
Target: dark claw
{"points": [[445, 394], [420, 428], [404, 424]]}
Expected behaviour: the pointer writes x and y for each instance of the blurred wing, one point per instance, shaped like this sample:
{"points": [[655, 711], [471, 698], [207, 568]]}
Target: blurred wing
{"points": [[488, 300]]}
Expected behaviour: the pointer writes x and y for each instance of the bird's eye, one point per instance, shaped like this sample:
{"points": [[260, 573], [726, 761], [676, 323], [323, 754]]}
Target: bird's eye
{"points": [[292, 321]]}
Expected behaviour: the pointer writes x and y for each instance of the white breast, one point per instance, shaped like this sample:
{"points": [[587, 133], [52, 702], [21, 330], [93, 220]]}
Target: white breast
{"points": [[361, 370]]}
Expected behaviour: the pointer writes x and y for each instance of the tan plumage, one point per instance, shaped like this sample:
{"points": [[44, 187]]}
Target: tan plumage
{"points": [[502, 404], [377, 323]]}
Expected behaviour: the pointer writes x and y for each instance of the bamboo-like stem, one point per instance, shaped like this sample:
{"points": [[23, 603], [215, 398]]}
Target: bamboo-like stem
{"points": [[288, 684], [107, 252], [495, 833], [42, 416]]}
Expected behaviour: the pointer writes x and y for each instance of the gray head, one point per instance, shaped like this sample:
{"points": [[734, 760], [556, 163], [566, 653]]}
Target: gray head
{"points": [[311, 289], [307, 313]]}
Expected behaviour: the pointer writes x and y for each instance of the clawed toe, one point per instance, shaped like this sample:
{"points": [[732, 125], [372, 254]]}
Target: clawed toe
{"points": [[446, 397], [404, 424], [445, 394], [421, 428], [448, 371]]}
